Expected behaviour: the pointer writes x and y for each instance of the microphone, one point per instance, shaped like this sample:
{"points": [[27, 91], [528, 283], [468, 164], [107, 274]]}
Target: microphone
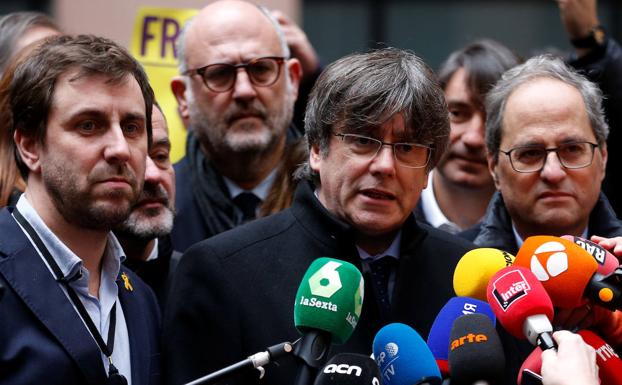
{"points": [[522, 306], [327, 308], [609, 363], [475, 268], [438, 338], [569, 273], [529, 372], [403, 357], [349, 369], [607, 262], [475, 352]]}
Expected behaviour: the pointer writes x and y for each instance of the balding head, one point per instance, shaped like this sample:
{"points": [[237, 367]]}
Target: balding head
{"points": [[226, 21]]}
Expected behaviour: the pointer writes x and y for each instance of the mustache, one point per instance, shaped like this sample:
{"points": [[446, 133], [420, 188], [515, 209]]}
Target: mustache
{"points": [[242, 109], [154, 191], [119, 171]]}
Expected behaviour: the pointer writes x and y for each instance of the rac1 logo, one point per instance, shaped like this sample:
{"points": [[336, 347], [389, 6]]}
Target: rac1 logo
{"points": [[343, 369], [468, 339]]}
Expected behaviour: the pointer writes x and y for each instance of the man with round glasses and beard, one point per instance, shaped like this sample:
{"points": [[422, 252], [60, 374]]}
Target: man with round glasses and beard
{"points": [[236, 93]]}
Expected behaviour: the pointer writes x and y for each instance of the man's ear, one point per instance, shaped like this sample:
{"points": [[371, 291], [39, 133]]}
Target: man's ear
{"points": [[315, 158], [29, 150], [295, 74], [492, 168], [178, 86]]}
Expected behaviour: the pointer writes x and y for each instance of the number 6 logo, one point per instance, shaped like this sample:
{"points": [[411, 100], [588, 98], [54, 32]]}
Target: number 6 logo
{"points": [[326, 282]]}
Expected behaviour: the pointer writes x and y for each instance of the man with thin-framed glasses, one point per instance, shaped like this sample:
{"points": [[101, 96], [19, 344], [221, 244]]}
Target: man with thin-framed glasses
{"points": [[376, 124], [546, 137], [236, 93]]}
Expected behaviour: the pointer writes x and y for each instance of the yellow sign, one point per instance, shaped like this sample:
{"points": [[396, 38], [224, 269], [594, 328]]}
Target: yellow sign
{"points": [[153, 45]]}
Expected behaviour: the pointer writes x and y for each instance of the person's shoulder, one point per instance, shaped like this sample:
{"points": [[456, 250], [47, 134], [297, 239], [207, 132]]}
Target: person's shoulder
{"points": [[443, 239], [244, 239]]}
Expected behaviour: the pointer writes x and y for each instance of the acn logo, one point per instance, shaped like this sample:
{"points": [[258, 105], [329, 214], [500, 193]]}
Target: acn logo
{"points": [[343, 369], [555, 257], [468, 339]]}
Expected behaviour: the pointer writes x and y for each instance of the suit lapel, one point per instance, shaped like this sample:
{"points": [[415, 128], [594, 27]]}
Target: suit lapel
{"points": [[29, 277], [136, 330]]}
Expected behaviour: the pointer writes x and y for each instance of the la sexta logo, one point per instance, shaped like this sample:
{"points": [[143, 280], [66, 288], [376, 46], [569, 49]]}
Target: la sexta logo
{"points": [[510, 287], [552, 255]]}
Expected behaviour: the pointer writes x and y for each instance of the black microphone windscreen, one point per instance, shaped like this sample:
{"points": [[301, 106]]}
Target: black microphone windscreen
{"points": [[475, 351], [349, 369]]}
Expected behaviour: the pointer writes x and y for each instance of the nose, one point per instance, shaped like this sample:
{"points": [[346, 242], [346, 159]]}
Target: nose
{"points": [[383, 162], [117, 150], [553, 171], [473, 135], [152, 172], [243, 89]]}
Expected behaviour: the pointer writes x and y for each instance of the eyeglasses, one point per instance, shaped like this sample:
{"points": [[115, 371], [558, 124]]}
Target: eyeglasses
{"points": [[220, 77], [532, 159], [411, 155]]}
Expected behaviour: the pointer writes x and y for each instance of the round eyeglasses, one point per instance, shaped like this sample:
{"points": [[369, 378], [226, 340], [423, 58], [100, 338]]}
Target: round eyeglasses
{"points": [[571, 155], [411, 155], [220, 77]]}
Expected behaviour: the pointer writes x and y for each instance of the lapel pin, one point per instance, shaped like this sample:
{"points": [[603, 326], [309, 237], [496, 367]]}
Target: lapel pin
{"points": [[126, 282]]}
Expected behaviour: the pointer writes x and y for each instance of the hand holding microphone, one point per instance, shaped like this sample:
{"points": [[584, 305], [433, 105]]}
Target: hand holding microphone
{"points": [[574, 362]]}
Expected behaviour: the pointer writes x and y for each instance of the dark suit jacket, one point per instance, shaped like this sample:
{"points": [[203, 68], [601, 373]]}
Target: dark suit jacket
{"points": [[42, 338], [233, 295]]}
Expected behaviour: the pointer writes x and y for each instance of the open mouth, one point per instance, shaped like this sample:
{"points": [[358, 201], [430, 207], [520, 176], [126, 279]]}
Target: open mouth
{"points": [[378, 194]]}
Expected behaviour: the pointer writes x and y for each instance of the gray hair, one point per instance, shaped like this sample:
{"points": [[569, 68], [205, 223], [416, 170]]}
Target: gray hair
{"points": [[14, 25], [543, 66], [180, 44], [362, 91]]}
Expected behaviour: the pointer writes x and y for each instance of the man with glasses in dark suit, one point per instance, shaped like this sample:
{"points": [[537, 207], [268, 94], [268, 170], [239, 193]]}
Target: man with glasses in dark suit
{"points": [[236, 92]]}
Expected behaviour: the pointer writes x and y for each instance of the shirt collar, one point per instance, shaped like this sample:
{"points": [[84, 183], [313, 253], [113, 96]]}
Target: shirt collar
{"points": [[393, 250], [520, 240], [68, 262], [429, 205], [261, 190]]}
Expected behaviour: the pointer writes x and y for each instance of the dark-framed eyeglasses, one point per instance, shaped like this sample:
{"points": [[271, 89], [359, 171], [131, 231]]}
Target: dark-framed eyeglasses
{"points": [[411, 155], [220, 77], [571, 155]]}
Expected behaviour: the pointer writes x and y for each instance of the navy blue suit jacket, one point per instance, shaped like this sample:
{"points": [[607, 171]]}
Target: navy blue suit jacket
{"points": [[42, 338]]}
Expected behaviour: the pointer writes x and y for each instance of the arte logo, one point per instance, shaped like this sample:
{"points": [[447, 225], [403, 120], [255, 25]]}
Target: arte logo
{"points": [[554, 256], [468, 339], [509, 288]]}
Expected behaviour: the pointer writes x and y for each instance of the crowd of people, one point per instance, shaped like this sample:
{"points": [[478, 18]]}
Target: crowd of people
{"points": [[117, 266]]}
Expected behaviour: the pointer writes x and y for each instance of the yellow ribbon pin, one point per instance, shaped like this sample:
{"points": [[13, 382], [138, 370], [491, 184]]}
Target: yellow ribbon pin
{"points": [[126, 282]]}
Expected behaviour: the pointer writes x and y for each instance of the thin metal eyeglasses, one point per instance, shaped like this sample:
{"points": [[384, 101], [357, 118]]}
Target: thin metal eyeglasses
{"points": [[571, 155], [220, 77], [411, 155]]}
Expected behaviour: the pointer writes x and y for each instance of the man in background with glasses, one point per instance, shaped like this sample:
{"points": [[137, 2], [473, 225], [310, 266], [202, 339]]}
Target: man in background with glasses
{"points": [[376, 124], [236, 93], [546, 137]]}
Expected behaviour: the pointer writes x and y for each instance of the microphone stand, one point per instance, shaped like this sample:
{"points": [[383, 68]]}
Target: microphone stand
{"points": [[256, 361]]}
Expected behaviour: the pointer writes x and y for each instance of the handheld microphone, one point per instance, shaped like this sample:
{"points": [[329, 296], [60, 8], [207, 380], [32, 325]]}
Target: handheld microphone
{"points": [[608, 361], [327, 309], [475, 268], [569, 273], [349, 369], [475, 352], [438, 338], [607, 262], [403, 357], [522, 305]]}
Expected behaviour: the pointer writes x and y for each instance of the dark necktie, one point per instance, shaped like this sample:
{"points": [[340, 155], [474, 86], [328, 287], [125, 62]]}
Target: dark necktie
{"points": [[381, 270], [247, 202]]}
